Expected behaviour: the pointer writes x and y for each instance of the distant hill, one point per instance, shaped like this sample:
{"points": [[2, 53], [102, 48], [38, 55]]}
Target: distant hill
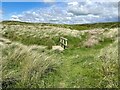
{"points": [[70, 26]]}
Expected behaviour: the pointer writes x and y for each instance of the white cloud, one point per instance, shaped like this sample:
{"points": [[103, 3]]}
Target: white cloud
{"points": [[72, 13], [48, 0], [73, 3], [15, 18], [90, 0], [95, 11]]}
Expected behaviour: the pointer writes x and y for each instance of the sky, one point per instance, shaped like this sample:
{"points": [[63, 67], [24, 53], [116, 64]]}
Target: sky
{"points": [[67, 12]]}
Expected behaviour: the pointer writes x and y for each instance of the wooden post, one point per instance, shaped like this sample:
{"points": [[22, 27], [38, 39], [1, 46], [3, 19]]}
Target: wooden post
{"points": [[63, 42]]}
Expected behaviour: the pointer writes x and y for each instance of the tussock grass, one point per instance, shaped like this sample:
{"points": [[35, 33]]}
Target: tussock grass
{"points": [[48, 35], [31, 63], [23, 67], [109, 66]]}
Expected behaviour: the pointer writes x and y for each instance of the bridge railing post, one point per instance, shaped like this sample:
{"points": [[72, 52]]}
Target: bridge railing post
{"points": [[63, 42]]}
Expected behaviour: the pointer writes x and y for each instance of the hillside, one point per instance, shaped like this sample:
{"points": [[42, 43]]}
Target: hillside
{"points": [[75, 26], [90, 60]]}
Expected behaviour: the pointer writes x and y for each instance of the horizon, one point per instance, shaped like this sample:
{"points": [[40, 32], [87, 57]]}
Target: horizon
{"points": [[57, 23], [61, 12]]}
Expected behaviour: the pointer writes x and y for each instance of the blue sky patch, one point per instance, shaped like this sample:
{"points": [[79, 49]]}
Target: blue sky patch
{"points": [[61, 12]]}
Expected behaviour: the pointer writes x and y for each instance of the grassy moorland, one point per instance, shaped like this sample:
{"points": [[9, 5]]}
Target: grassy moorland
{"points": [[74, 26], [28, 61]]}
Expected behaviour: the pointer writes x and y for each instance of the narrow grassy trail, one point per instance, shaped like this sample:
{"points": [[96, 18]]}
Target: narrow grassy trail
{"points": [[78, 66], [75, 67]]}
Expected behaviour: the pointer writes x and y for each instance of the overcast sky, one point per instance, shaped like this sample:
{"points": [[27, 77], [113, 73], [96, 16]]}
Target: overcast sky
{"points": [[69, 12]]}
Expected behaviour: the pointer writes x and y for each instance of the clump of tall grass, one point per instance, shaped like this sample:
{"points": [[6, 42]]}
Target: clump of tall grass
{"points": [[109, 66], [111, 34], [24, 66]]}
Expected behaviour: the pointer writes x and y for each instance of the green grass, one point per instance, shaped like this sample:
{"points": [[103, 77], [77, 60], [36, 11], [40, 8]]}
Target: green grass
{"points": [[80, 68], [74, 26], [47, 41], [25, 66]]}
